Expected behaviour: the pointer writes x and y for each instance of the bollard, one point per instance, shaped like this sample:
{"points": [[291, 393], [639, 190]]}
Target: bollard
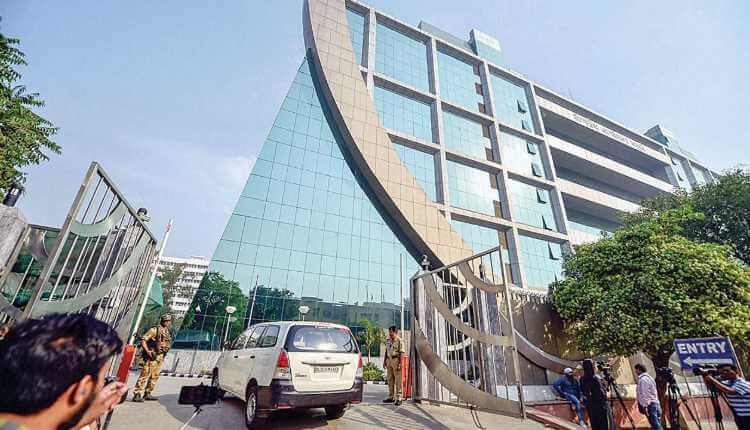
{"points": [[405, 385], [127, 359]]}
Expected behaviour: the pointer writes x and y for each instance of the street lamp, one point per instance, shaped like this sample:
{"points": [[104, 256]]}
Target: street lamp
{"points": [[303, 310], [230, 310]]}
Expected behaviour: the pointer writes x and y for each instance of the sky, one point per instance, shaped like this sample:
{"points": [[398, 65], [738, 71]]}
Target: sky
{"points": [[175, 98]]}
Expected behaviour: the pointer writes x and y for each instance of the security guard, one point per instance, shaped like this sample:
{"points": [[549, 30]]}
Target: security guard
{"points": [[393, 351], [154, 346]]}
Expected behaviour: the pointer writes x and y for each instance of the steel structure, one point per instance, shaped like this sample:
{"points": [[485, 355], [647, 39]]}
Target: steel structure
{"points": [[95, 263]]}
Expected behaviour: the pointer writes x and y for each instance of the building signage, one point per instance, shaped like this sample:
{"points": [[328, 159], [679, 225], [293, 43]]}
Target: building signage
{"points": [[592, 125], [704, 352]]}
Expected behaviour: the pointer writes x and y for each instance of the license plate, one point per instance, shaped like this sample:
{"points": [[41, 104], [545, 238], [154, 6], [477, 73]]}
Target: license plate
{"points": [[326, 369]]}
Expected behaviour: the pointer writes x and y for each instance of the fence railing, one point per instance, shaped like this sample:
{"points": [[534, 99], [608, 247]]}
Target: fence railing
{"points": [[95, 263], [463, 348]]}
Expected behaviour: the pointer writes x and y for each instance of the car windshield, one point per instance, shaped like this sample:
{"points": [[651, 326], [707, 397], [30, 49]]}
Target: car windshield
{"points": [[323, 339]]}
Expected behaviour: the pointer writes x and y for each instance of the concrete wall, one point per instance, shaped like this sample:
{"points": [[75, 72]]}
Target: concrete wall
{"points": [[12, 226], [190, 361]]}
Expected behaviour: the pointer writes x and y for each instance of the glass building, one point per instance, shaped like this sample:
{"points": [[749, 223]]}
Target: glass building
{"points": [[500, 160]]}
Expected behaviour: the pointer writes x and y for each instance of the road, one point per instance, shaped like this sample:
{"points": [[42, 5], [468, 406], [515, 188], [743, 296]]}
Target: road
{"points": [[370, 415]]}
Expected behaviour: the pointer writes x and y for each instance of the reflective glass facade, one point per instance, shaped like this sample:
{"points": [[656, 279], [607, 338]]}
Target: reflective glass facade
{"points": [[422, 167], [488, 52], [305, 230], [520, 155], [356, 23], [459, 83], [404, 114], [482, 238], [512, 105], [471, 188], [680, 175], [589, 224], [541, 261], [531, 205], [701, 177], [466, 136], [401, 57]]}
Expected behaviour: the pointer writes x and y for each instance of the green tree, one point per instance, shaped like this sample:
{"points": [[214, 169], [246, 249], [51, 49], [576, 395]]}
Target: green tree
{"points": [[724, 204], [214, 294], [371, 335], [646, 286], [24, 135]]}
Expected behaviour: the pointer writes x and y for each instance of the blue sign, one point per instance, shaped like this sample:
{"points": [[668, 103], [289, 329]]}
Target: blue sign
{"points": [[706, 351]]}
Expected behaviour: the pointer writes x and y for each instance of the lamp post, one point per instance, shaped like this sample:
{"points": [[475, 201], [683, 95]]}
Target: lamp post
{"points": [[303, 310], [252, 304], [230, 310]]}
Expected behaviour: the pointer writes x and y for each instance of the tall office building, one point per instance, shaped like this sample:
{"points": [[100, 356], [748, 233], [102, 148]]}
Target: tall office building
{"points": [[396, 142], [191, 273]]}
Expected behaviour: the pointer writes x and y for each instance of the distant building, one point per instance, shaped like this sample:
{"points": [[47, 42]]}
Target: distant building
{"points": [[192, 273]]}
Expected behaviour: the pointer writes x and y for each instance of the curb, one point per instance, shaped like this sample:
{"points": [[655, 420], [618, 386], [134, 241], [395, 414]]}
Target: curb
{"points": [[374, 382]]}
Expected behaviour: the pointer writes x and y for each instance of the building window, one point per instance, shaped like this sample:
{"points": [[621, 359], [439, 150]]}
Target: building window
{"points": [[528, 208], [536, 170], [481, 239], [422, 167], [404, 114], [401, 57], [471, 188], [522, 106], [511, 103], [542, 195], [541, 261], [520, 155], [465, 135], [458, 82], [356, 22]]}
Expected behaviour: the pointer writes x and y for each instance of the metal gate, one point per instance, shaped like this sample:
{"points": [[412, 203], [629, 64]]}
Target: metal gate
{"points": [[463, 350], [94, 264]]}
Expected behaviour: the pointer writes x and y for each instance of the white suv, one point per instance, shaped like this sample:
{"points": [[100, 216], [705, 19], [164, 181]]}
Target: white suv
{"points": [[292, 364]]}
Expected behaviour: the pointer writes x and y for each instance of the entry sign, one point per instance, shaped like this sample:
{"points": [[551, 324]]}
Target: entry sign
{"points": [[706, 351]]}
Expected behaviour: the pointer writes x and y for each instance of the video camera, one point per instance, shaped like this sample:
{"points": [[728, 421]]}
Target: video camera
{"points": [[603, 367], [198, 395], [705, 370], [667, 374]]}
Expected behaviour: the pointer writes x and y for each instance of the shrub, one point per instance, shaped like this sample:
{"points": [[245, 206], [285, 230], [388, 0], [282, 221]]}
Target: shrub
{"points": [[371, 372]]}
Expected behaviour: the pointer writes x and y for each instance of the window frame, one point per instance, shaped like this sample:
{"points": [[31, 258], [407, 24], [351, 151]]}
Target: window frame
{"points": [[276, 340], [258, 328]]}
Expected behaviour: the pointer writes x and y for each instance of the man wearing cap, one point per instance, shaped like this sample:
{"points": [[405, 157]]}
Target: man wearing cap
{"points": [[569, 388], [154, 346]]}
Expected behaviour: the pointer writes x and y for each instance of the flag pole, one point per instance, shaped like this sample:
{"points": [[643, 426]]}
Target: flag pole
{"points": [[150, 284]]}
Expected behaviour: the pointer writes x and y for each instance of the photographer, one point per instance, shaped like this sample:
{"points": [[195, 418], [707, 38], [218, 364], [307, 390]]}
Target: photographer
{"points": [[595, 396], [569, 388], [53, 373], [647, 397], [736, 390]]}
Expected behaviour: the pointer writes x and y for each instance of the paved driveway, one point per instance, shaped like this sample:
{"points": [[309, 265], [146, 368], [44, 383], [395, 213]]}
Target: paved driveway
{"points": [[370, 415]]}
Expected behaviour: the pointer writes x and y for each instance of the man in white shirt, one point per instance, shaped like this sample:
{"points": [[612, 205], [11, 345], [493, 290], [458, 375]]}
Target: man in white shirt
{"points": [[647, 396]]}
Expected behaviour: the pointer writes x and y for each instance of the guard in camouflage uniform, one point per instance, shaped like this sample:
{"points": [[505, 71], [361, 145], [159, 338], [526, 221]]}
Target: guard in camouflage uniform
{"points": [[154, 346], [393, 351]]}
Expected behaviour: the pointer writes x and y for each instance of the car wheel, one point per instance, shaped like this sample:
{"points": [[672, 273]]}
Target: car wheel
{"points": [[335, 412], [215, 383], [252, 421]]}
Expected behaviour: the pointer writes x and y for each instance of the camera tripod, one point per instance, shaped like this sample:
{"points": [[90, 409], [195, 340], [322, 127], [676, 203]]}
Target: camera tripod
{"points": [[674, 396], [611, 384], [714, 394]]}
